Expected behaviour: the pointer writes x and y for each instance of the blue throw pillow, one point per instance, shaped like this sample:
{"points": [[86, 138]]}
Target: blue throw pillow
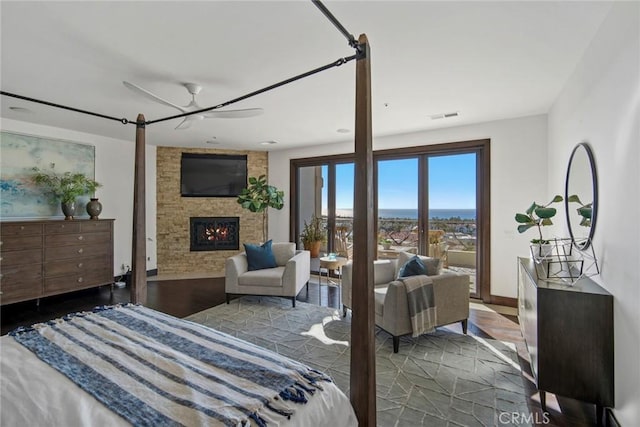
{"points": [[260, 256], [413, 267]]}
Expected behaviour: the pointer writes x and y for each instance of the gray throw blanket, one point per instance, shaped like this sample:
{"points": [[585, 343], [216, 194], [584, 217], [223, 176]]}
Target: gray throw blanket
{"points": [[422, 305]]}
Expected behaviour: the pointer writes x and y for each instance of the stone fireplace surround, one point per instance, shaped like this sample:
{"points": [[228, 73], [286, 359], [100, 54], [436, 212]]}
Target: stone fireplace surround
{"points": [[174, 213]]}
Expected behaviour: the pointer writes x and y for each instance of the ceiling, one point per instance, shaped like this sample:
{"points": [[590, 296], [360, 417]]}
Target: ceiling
{"points": [[485, 60]]}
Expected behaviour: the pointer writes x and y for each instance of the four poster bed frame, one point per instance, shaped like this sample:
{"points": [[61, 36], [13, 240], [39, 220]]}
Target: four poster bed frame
{"points": [[362, 377]]}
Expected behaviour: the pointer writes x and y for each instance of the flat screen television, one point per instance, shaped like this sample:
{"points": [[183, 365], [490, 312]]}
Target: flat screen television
{"points": [[212, 175]]}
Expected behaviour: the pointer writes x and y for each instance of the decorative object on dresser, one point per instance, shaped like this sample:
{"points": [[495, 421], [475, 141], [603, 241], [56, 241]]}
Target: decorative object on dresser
{"points": [[65, 187], [94, 208], [538, 216], [44, 258], [569, 334]]}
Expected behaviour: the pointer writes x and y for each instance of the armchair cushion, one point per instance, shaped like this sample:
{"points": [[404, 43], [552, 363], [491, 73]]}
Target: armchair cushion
{"points": [[260, 257], [283, 252]]}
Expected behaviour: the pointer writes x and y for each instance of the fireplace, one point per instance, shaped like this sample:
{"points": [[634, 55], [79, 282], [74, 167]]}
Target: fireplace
{"points": [[215, 233]]}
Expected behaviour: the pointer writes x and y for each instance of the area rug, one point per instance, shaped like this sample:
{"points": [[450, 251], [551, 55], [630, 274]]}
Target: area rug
{"points": [[439, 379]]}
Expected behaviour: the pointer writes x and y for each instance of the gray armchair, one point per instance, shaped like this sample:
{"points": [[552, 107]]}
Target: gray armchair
{"points": [[451, 294], [285, 280]]}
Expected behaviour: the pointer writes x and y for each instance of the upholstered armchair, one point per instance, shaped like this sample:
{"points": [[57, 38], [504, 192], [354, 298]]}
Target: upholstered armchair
{"points": [[285, 280], [450, 289]]}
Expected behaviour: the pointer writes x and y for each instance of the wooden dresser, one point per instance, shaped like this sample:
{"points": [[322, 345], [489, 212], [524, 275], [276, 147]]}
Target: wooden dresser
{"points": [[43, 258], [569, 335]]}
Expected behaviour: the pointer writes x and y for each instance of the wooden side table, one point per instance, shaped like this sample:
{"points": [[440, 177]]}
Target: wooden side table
{"points": [[331, 263]]}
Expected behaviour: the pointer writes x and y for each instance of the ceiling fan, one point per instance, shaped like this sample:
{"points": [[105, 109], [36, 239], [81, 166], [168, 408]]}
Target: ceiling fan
{"points": [[195, 89]]}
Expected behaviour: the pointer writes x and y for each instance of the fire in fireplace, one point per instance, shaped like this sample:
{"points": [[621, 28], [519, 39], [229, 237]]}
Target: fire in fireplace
{"points": [[215, 233]]}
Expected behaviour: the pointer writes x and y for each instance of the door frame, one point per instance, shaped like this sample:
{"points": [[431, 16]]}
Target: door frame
{"points": [[481, 147]]}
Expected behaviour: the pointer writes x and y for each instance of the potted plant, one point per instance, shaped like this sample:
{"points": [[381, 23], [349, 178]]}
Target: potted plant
{"points": [[258, 196], [538, 216], [312, 236], [386, 243], [64, 188]]}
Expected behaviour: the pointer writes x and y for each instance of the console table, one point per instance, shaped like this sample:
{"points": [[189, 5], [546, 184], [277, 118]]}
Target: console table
{"points": [[44, 258], [569, 335]]}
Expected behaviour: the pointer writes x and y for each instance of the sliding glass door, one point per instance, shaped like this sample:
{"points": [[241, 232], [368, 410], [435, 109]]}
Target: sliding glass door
{"points": [[430, 200]]}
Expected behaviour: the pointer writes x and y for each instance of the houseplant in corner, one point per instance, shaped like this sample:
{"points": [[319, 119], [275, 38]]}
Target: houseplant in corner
{"points": [[64, 188], [258, 196], [312, 236], [538, 216]]}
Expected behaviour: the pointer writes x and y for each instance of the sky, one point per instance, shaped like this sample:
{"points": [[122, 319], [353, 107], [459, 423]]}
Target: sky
{"points": [[452, 183]]}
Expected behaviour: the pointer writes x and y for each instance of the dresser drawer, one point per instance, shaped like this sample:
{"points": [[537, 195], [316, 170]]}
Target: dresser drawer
{"points": [[76, 266], [20, 229], [77, 239], [75, 251], [12, 243], [19, 283], [29, 256], [77, 281], [92, 225], [62, 227]]}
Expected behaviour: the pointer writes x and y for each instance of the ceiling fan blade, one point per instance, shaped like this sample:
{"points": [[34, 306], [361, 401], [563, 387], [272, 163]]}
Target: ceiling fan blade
{"points": [[188, 121], [233, 114], [151, 96]]}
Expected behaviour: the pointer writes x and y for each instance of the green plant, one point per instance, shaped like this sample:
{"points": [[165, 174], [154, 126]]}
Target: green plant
{"points": [[313, 231], [65, 187], [585, 211], [258, 196], [537, 216]]}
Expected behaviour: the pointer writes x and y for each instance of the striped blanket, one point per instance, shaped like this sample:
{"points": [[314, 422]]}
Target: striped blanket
{"points": [[156, 370], [422, 304]]}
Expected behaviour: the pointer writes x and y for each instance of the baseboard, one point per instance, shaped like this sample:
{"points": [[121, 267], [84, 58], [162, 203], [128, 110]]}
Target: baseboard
{"points": [[506, 301], [126, 277]]}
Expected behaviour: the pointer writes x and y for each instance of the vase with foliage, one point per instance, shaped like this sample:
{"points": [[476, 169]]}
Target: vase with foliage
{"points": [[64, 188], [313, 235], [258, 196], [538, 216]]}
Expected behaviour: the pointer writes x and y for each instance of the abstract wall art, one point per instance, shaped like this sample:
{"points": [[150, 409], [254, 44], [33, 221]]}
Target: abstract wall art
{"points": [[19, 154]]}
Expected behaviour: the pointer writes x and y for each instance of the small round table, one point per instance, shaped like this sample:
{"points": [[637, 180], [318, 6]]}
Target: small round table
{"points": [[331, 263]]}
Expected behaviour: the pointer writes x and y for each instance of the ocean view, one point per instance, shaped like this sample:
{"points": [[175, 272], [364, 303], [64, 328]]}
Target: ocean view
{"points": [[413, 213]]}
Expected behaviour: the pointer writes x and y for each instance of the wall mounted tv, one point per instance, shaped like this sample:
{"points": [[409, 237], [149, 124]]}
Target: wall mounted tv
{"points": [[212, 175]]}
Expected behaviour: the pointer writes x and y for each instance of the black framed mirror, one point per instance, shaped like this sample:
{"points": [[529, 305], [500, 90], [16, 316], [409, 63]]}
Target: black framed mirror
{"points": [[581, 195]]}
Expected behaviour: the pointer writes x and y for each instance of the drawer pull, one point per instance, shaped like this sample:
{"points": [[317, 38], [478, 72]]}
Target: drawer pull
{"points": [[80, 237], [80, 265], [80, 250], [79, 279]]}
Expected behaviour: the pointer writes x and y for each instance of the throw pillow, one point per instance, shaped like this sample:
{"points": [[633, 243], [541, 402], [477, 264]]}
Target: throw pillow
{"points": [[433, 265], [413, 267], [260, 257]]}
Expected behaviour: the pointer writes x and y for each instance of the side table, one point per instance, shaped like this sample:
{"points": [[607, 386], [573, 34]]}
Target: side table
{"points": [[331, 263]]}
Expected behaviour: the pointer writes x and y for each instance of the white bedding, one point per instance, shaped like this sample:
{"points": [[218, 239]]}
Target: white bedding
{"points": [[34, 394]]}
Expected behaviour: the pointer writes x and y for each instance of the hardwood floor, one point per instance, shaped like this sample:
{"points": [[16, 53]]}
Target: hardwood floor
{"points": [[181, 298]]}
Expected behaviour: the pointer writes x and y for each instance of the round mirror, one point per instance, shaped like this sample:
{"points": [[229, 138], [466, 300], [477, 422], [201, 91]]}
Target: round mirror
{"points": [[581, 196]]}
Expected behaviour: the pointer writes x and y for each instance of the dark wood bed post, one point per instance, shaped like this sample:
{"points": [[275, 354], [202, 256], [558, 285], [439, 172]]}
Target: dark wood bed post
{"points": [[363, 358], [139, 244]]}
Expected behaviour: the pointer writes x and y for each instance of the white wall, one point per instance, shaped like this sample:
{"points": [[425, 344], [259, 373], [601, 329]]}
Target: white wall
{"points": [[518, 176], [114, 170], [600, 104]]}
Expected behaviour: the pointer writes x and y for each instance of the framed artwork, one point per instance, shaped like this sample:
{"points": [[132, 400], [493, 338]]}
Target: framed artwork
{"points": [[19, 196]]}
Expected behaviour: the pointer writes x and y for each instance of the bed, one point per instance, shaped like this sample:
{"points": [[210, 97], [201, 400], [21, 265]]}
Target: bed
{"points": [[128, 364]]}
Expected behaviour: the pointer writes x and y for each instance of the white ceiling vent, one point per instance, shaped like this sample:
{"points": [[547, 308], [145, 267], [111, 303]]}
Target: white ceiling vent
{"points": [[444, 115]]}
